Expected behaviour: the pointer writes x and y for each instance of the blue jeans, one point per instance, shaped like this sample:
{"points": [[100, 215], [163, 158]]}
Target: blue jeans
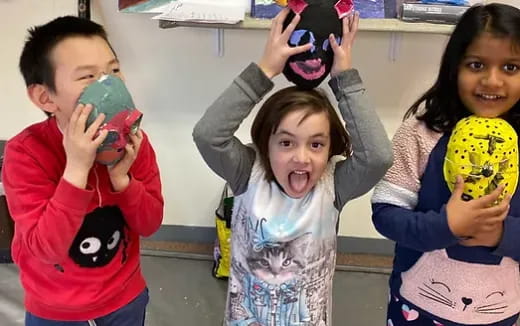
{"points": [[133, 314]]}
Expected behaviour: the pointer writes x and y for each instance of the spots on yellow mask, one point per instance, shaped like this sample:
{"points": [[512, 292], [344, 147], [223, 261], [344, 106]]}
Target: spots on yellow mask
{"points": [[484, 152]]}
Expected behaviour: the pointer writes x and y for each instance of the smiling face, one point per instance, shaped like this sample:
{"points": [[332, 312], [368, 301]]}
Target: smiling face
{"points": [[78, 62], [299, 151], [489, 76], [318, 20]]}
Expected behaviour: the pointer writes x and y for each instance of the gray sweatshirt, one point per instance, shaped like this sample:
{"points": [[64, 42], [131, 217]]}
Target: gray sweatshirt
{"points": [[228, 157]]}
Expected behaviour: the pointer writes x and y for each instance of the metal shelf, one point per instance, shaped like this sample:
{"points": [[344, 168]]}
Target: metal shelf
{"points": [[370, 25]]}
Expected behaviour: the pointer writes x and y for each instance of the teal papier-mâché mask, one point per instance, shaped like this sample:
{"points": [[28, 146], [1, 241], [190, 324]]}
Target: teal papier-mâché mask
{"points": [[110, 96]]}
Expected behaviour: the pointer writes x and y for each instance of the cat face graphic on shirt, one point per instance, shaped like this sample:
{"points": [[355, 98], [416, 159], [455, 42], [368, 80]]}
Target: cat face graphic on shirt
{"points": [[276, 263], [99, 238], [461, 291], [442, 293]]}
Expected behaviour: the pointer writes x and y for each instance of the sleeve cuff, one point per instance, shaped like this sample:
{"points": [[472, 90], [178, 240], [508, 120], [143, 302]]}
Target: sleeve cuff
{"points": [[509, 243], [73, 197], [345, 80], [130, 191], [254, 82], [445, 231]]}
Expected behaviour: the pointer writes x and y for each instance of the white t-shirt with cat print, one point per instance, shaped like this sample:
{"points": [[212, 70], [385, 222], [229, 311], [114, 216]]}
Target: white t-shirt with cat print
{"points": [[284, 252]]}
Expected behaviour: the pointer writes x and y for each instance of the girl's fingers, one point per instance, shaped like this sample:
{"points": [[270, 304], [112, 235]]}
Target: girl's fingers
{"points": [[350, 27], [488, 200], [279, 19], [299, 49], [346, 25], [290, 28], [333, 43], [355, 23]]}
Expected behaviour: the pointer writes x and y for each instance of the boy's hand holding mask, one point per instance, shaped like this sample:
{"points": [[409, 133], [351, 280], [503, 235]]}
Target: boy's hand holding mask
{"points": [[109, 95]]}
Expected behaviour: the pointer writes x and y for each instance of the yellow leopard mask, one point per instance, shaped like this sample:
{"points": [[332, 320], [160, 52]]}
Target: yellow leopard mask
{"points": [[484, 152]]}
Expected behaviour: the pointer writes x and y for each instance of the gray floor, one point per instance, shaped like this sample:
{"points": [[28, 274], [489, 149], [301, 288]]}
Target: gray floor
{"points": [[184, 293]]}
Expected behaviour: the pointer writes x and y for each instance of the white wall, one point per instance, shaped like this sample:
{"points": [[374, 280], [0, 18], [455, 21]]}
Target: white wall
{"points": [[174, 75]]}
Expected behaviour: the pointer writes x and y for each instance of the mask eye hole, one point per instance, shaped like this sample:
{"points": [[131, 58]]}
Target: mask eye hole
{"points": [[296, 37], [301, 37], [326, 43]]}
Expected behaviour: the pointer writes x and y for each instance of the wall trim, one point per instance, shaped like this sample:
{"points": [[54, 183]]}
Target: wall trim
{"points": [[202, 234]]}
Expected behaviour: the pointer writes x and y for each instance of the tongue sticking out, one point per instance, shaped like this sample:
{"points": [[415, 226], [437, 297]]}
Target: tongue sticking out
{"points": [[298, 181]]}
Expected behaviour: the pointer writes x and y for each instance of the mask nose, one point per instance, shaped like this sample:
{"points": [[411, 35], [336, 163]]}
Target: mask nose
{"points": [[103, 76]]}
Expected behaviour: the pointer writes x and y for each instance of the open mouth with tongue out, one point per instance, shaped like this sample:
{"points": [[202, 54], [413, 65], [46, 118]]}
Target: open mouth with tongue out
{"points": [[309, 69], [298, 181]]}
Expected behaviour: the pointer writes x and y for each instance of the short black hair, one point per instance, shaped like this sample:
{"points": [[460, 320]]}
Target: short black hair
{"points": [[441, 105], [35, 63]]}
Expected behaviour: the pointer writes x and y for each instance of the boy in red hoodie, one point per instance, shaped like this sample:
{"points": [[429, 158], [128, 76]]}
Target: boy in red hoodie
{"points": [[77, 222]]}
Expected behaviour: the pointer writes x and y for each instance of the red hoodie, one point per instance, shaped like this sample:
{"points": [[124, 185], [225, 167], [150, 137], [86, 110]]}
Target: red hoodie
{"points": [[77, 249]]}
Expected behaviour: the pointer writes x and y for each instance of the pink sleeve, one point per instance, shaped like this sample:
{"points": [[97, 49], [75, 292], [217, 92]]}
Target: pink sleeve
{"points": [[412, 145]]}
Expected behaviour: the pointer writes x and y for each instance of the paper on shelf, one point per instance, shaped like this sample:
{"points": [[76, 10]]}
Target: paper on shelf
{"points": [[205, 11]]}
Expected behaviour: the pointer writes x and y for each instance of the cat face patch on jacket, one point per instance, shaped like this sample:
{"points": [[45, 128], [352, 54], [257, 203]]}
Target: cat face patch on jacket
{"points": [[463, 292], [484, 151], [99, 238], [319, 18]]}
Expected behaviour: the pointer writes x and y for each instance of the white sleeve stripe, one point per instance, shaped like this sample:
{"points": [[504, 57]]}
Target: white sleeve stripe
{"points": [[390, 193]]}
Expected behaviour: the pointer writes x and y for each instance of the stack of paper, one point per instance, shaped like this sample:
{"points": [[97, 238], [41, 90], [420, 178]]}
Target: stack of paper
{"points": [[205, 11]]}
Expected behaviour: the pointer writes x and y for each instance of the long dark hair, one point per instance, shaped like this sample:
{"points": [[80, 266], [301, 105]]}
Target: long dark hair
{"points": [[441, 104]]}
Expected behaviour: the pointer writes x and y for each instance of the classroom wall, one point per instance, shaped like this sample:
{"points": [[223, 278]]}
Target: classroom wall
{"points": [[175, 74]]}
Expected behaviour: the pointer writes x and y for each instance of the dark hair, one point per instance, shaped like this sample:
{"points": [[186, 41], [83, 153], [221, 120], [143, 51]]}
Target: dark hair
{"points": [[35, 64], [442, 105], [292, 99]]}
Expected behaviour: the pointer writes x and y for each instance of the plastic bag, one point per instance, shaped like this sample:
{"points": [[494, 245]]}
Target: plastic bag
{"points": [[222, 248]]}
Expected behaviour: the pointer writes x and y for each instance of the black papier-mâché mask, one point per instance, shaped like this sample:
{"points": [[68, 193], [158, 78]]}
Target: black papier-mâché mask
{"points": [[319, 18]]}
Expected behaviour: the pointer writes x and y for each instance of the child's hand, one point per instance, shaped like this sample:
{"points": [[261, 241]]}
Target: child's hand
{"points": [[469, 218], [343, 52], [80, 145], [277, 49], [489, 238], [119, 172]]}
